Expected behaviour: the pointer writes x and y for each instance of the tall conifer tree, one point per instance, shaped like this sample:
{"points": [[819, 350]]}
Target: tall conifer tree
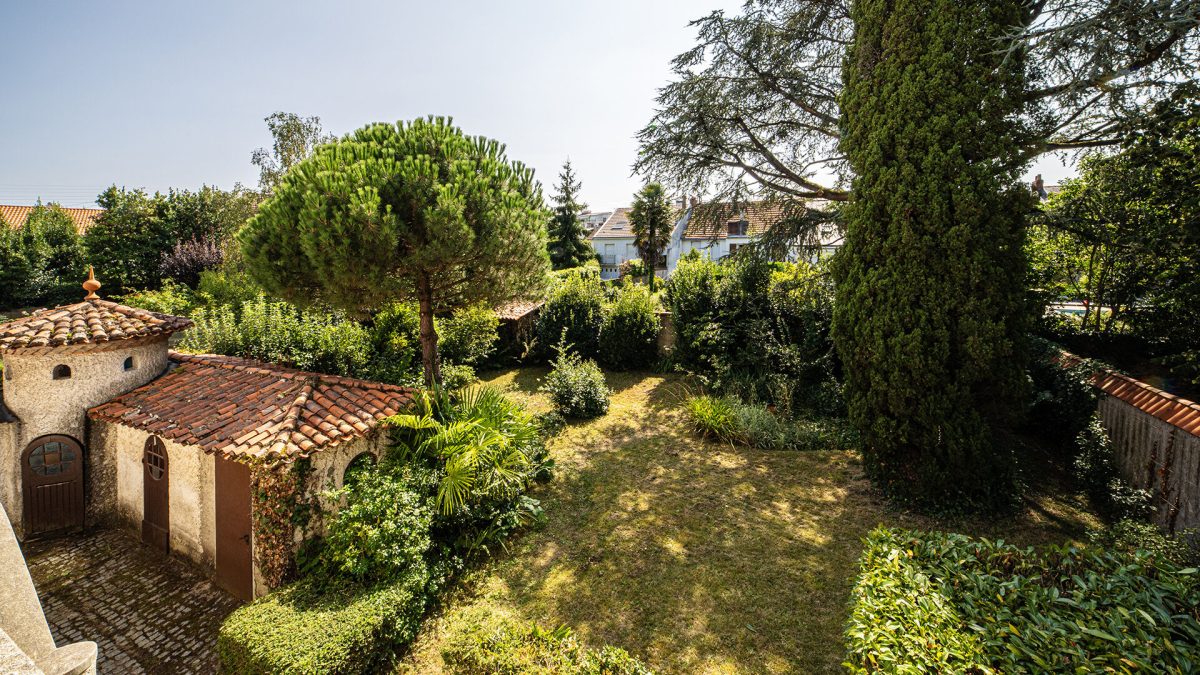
{"points": [[931, 312], [568, 236]]}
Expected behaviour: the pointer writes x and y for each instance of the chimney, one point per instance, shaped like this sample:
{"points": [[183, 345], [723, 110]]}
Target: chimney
{"points": [[695, 202]]}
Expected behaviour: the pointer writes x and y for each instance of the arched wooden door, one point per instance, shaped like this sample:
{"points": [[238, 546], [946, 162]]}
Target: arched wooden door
{"points": [[52, 478], [156, 486]]}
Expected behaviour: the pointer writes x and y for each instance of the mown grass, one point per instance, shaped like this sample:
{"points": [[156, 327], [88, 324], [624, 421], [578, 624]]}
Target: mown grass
{"points": [[694, 556]]}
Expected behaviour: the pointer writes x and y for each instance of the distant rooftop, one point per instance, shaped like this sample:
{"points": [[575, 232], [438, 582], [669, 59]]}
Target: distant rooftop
{"points": [[15, 216]]}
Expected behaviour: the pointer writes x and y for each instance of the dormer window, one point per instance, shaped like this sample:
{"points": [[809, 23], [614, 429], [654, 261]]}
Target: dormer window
{"points": [[61, 372], [737, 228], [128, 365]]}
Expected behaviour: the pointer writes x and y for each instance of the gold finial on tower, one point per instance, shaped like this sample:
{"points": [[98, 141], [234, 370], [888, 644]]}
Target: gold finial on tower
{"points": [[91, 285]]}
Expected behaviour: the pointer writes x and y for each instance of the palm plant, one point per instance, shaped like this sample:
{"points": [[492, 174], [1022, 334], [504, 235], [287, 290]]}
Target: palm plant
{"points": [[485, 445]]}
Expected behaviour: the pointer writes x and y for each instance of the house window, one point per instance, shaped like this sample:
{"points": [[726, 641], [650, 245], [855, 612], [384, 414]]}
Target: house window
{"points": [[737, 228], [128, 365], [62, 372], [734, 247], [51, 459]]}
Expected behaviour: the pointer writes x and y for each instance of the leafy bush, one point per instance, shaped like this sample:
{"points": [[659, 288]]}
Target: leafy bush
{"points": [[509, 649], [280, 333], [726, 419], [1131, 536], [1096, 472], [455, 376], [396, 344], [576, 386], [932, 602], [1063, 398], [632, 269], [226, 285], [468, 337], [307, 629], [381, 530], [574, 313], [187, 260], [756, 330], [172, 298], [629, 334], [41, 260]]}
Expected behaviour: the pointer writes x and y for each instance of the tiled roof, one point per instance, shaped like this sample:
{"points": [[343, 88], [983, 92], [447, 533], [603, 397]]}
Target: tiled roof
{"points": [[616, 226], [1169, 408], [15, 216], [87, 322], [710, 221], [517, 308], [248, 410]]}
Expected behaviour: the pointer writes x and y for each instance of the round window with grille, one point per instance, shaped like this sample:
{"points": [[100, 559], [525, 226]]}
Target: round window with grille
{"points": [[52, 459], [155, 458]]}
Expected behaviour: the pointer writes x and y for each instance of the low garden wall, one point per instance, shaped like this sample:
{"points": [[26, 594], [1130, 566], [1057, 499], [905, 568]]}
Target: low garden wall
{"points": [[1156, 438]]}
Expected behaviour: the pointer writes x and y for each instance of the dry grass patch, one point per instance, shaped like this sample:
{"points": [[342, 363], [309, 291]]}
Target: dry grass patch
{"points": [[693, 556]]}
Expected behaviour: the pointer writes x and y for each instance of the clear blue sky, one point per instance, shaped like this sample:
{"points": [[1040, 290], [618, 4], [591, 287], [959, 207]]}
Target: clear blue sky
{"points": [[173, 94]]}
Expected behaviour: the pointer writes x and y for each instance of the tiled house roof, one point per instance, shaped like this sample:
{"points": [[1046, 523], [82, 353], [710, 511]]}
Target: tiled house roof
{"points": [[517, 309], [15, 216], [88, 322], [248, 410], [616, 226], [710, 221]]}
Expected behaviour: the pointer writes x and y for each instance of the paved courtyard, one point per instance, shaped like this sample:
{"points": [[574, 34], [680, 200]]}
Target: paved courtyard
{"points": [[147, 612]]}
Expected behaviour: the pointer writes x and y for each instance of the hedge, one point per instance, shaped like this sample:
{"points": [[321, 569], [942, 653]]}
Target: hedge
{"points": [[305, 629], [934, 602]]}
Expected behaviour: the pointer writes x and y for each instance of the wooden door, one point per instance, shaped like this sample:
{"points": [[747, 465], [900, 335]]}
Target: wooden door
{"points": [[156, 495], [233, 528], [52, 478]]}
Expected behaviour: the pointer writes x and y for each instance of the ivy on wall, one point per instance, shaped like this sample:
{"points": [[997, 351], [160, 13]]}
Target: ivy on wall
{"points": [[281, 506]]}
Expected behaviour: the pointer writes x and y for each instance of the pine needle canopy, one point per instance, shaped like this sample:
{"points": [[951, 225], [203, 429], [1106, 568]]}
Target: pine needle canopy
{"points": [[369, 218]]}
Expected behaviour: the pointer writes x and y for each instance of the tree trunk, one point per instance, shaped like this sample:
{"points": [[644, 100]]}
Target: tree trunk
{"points": [[653, 256], [429, 338]]}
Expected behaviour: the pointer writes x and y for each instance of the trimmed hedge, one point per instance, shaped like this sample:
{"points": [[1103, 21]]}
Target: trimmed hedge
{"points": [[935, 602], [516, 650], [306, 629]]}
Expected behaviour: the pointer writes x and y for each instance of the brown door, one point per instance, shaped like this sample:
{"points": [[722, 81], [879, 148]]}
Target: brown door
{"points": [[156, 495], [233, 528], [52, 477]]}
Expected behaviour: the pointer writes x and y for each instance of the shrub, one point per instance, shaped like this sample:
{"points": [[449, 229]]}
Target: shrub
{"points": [[226, 285], [509, 649], [396, 342], [629, 334], [457, 377], [280, 333], [185, 262], [726, 419], [1131, 536], [171, 298], [1096, 473], [381, 530], [306, 629], [574, 313], [468, 337], [633, 269], [932, 602], [576, 386], [714, 417], [1063, 398]]}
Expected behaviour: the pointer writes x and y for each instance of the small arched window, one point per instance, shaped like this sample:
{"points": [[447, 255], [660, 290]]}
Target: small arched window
{"points": [[62, 372], [128, 363], [360, 464]]}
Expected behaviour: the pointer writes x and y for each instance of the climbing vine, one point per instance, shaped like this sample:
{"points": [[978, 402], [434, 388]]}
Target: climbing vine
{"points": [[281, 506]]}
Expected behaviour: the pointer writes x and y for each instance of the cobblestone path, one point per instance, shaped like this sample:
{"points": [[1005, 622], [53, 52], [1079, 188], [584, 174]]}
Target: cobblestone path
{"points": [[147, 612]]}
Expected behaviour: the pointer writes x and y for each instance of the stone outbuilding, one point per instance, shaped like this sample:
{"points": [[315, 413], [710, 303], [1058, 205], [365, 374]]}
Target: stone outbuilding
{"points": [[101, 423]]}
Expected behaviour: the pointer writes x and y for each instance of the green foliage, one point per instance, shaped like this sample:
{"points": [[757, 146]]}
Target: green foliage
{"points": [[1063, 397], [396, 342], [930, 602], [651, 220], [568, 235], [576, 386], [127, 243], [468, 336], [1131, 536], [280, 333], [381, 530], [295, 138], [414, 210], [306, 629], [629, 334], [41, 260], [756, 329], [226, 285], [574, 313], [455, 376], [171, 298], [726, 419], [931, 309], [509, 649]]}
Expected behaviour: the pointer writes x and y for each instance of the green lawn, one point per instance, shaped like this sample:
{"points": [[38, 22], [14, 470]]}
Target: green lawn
{"points": [[693, 556]]}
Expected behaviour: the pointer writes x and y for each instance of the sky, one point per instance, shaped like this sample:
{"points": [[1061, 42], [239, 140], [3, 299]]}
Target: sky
{"points": [[173, 94]]}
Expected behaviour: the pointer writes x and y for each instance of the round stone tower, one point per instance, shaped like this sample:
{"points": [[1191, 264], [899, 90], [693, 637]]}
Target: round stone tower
{"points": [[58, 363]]}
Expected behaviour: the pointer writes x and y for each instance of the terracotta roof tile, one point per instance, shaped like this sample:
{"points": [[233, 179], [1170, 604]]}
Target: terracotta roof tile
{"points": [[250, 410], [616, 226], [15, 216], [87, 322], [1179, 412], [711, 221], [516, 309]]}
